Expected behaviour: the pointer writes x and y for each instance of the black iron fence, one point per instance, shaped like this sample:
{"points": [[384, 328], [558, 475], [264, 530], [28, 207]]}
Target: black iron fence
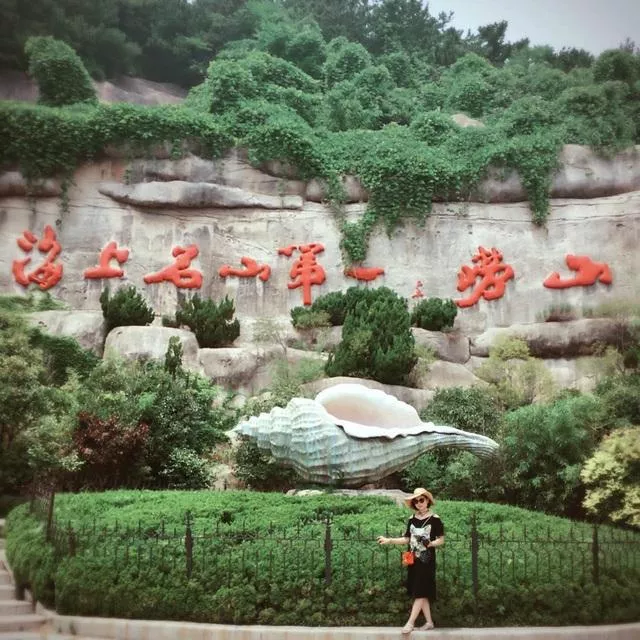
{"points": [[334, 552]]}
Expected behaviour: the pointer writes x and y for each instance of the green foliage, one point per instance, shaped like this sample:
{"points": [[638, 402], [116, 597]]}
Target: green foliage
{"points": [[185, 469], [333, 304], [434, 314], [173, 410], [305, 318], [344, 60], [127, 307], [470, 409], [543, 449], [259, 471], [517, 379], [433, 127], [621, 395], [377, 342], [239, 584], [459, 474], [62, 355], [617, 65], [62, 78], [212, 322], [33, 301], [612, 478]]}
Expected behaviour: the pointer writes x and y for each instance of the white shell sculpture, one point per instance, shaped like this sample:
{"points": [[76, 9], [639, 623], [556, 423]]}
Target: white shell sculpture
{"points": [[353, 435]]}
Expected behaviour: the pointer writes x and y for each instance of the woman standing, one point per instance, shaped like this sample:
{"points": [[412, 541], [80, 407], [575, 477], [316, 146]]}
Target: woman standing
{"points": [[424, 533]]}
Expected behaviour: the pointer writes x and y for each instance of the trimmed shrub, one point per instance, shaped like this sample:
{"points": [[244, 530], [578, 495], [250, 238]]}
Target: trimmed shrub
{"points": [[612, 478], [127, 307], [377, 342], [333, 304], [211, 322], [434, 314], [185, 469], [59, 72]]}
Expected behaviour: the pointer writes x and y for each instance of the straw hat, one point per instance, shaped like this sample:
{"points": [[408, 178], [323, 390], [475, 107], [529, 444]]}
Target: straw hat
{"points": [[416, 494]]}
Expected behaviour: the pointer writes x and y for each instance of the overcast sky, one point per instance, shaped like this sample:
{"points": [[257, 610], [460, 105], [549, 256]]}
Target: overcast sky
{"points": [[594, 25]]}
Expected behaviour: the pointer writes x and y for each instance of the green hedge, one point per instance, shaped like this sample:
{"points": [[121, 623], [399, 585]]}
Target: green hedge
{"points": [[246, 572]]}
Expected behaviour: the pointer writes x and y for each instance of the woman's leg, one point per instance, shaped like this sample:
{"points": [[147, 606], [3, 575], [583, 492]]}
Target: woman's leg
{"points": [[418, 603], [426, 610]]}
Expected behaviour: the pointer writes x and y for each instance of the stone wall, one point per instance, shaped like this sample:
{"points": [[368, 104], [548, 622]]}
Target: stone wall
{"points": [[230, 210]]}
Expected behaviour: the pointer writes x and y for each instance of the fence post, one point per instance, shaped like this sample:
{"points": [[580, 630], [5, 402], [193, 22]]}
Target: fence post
{"points": [[595, 554], [72, 540], [52, 498], [188, 543], [328, 546], [474, 559]]}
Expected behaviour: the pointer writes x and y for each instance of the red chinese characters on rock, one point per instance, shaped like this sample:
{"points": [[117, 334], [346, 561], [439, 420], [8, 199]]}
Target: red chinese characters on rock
{"points": [[588, 273], [104, 269], [494, 276], [48, 273], [418, 293], [306, 271], [251, 270], [179, 272], [364, 274]]}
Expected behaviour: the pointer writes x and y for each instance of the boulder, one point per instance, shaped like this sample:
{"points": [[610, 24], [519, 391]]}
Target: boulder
{"points": [[194, 195], [555, 339], [449, 346], [13, 183], [151, 343], [417, 398], [87, 327], [582, 173], [244, 369], [233, 170], [442, 375]]}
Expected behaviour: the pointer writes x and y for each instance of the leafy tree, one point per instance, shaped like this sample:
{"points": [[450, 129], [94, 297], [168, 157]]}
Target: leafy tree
{"points": [[377, 342], [612, 478], [212, 322], [111, 453], [24, 399], [344, 61], [490, 43], [543, 449], [621, 396], [595, 115], [617, 65], [59, 72], [125, 308]]}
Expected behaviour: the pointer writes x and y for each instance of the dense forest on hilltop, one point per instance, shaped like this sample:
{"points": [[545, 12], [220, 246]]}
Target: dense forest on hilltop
{"points": [[330, 86], [174, 40]]}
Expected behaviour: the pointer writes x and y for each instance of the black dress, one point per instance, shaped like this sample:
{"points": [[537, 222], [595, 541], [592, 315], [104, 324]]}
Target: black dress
{"points": [[421, 580]]}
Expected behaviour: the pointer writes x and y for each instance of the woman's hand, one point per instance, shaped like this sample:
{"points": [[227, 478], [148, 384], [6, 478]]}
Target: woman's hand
{"points": [[383, 540]]}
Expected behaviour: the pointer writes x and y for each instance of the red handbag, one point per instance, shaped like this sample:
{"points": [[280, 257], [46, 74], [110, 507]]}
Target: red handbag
{"points": [[408, 558]]}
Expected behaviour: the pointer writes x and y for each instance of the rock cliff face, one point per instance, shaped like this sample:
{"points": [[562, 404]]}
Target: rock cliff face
{"points": [[229, 210], [232, 215]]}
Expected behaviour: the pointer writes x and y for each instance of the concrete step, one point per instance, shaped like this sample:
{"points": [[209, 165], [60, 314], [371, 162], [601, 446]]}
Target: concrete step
{"points": [[5, 578], [15, 607], [7, 592], [23, 622], [40, 635]]}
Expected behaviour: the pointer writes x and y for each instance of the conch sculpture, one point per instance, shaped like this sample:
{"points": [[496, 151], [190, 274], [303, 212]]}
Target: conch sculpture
{"points": [[352, 435]]}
